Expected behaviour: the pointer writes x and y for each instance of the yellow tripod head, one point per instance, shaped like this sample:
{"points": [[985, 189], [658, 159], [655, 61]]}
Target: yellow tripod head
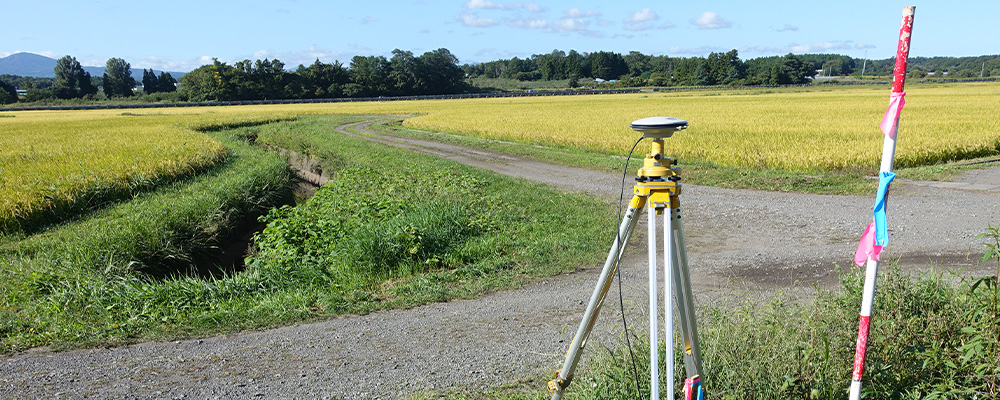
{"points": [[656, 166]]}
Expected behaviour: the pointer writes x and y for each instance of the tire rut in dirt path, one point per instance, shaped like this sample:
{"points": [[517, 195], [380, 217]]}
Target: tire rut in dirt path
{"points": [[762, 240]]}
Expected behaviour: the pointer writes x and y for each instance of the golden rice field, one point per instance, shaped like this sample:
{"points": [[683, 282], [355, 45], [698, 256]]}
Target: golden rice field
{"points": [[814, 129], [51, 159], [53, 156]]}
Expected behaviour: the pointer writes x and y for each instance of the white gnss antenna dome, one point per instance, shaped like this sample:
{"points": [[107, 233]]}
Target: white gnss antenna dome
{"points": [[658, 127]]}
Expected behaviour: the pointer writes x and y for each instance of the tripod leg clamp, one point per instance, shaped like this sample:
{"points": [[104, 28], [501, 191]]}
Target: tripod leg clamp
{"points": [[557, 384]]}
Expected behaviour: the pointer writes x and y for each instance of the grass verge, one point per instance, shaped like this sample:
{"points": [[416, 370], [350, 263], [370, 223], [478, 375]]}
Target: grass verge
{"points": [[121, 273], [934, 336], [407, 237], [397, 228]]}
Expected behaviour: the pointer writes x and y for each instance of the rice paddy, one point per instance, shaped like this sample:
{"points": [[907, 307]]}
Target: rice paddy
{"points": [[53, 158]]}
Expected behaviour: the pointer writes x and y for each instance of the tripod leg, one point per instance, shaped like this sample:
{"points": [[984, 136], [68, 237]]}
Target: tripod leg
{"points": [[654, 362], [685, 302], [669, 266], [565, 375]]}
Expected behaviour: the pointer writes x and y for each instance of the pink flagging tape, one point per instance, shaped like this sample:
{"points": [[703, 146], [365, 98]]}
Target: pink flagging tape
{"points": [[862, 347], [891, 118], [867, 248]]}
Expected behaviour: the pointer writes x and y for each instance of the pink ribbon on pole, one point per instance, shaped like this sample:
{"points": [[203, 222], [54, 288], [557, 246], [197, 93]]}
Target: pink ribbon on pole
{"points": [[867, 248], [891, 117]]}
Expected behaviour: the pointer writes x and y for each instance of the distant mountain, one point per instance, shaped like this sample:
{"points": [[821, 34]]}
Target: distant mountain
{"points": [[28, 64], [38, 66]]}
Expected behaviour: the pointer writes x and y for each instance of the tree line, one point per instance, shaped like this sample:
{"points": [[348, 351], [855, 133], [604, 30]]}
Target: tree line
{"points": [[73, 82], [434, 72], [438, 72], [637, 69], [720, 68]]}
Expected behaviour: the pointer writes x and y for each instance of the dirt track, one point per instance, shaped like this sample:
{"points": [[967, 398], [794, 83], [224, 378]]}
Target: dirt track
{"points": [[735, 238]]}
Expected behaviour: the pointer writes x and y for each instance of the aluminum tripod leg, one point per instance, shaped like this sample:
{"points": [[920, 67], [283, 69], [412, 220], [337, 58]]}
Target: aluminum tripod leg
{"points": [[565, 375], [669, 266], [685, 299]]}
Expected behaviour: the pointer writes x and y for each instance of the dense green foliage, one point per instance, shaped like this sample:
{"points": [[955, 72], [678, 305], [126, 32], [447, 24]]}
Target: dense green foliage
{"points": [[118, 81], [71, 80], [157, 84], [933, 337], [434, 72], [8, 94], [637, 69]]}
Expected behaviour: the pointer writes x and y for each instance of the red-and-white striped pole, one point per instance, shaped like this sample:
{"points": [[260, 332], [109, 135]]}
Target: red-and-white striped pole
{"points": [[890, 126]]}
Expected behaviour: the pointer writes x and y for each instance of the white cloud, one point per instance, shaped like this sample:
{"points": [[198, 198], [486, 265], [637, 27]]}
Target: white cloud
{"points": [[483, 5], [644, 20], [262, 54], [570, 25], [644, 15], [578, 13], [370, 19], [489, 5], [831, 46], [475, 20], [527, 23], [788, 27], [711, 20], [533, 7]]}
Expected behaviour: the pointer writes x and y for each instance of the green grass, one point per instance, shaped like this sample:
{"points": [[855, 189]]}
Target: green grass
{"points": [[397, 228], [409, 237], [122, 273], [933, 336]]}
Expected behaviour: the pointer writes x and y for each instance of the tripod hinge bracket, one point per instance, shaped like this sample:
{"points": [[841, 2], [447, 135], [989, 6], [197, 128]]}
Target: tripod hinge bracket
{"points": [[559, 384]]}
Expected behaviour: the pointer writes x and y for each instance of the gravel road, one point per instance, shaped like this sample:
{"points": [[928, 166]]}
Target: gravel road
{"points": [[736, 239]]}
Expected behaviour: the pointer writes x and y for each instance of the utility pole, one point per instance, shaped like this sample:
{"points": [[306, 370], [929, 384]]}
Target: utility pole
{"points": [[865, 64]]}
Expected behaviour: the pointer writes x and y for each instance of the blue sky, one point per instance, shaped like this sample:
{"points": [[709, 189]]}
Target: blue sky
{"points": [[180, 35]]}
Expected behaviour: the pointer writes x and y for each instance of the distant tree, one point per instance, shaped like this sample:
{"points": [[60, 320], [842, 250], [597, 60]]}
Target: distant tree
{"points": [[403, 71], [166, 83], [8, 94], [638, 63], [552, 66], [575, 65], [658, 79], [71, 80], [321, 80], [966, 73], [209, 82], [797, 70], [574, 81], [439, 73], [607, 65], [150, 83], [118, 81], [703, 75], [370, 74]]}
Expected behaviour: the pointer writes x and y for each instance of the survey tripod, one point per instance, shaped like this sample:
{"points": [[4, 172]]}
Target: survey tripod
{"points": [[658, 188]]}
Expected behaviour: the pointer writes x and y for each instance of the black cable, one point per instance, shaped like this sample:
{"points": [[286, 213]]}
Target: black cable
{"points": [[618, 270]]}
